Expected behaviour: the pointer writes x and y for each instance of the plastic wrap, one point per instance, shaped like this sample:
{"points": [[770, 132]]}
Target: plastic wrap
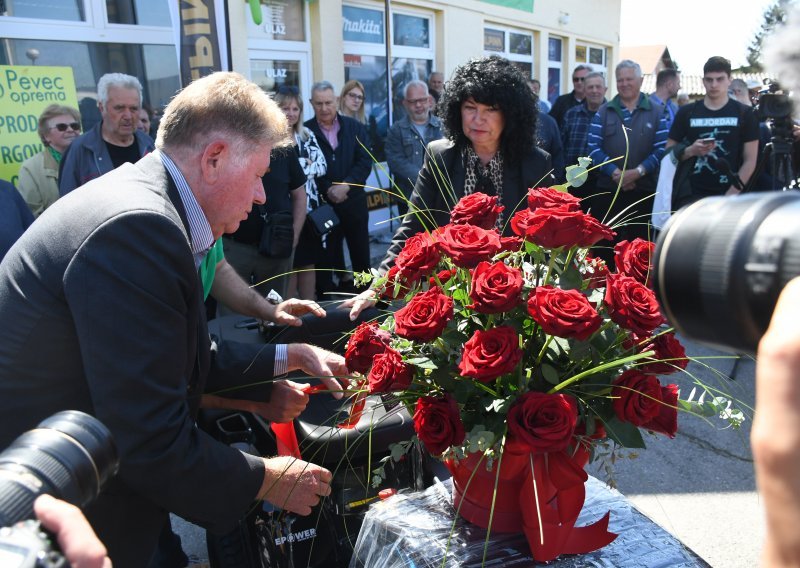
{"points": [[412, 530]]}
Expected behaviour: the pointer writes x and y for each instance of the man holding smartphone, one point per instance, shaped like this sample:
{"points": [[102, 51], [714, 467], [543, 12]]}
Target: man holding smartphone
{"points": [[721, 135]]}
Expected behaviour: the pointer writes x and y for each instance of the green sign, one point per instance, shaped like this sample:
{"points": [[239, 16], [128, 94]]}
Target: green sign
{"points": [[25, 91], [524, 5]]}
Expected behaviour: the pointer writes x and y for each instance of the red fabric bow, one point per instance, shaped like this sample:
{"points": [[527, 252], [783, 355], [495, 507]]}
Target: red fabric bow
{"points": [[558, 482]]}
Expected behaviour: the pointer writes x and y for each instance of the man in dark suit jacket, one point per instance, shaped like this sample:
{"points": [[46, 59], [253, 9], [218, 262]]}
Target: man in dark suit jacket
{"points": [[108, 318], [342, 140]]}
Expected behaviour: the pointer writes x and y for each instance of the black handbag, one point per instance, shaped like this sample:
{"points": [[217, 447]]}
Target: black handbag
{"points": [[277, 238], [323, 219]]}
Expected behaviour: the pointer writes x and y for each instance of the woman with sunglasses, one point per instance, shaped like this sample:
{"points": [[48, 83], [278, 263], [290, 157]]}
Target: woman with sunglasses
{"points": [[38, 176], [309, 249]]}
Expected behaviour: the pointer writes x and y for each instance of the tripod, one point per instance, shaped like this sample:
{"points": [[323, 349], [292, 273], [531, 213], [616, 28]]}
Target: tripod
{"points": [[778, 154]]}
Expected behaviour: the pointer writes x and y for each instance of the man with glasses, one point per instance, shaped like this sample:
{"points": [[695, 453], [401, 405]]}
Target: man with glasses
{"points": [[408, 138], [114, 141], [715, 128], [343, 141], [574, 98]]}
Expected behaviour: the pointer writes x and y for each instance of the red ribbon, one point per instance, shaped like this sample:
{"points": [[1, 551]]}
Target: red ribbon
{"points": [[559, 486]]}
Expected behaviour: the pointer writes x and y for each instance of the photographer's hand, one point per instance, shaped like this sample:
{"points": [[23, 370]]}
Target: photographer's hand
{"points": [[775, 435], [75, 536]]}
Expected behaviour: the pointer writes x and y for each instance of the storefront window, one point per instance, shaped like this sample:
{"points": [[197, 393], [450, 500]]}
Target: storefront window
{"points": [[514, 45], [410, 31], [270, 74], [282, 21], [593, 55], [156, 66], [554, 49], [494, 40], [553, 68], [365, 60], [71, 10], [138, 12]]}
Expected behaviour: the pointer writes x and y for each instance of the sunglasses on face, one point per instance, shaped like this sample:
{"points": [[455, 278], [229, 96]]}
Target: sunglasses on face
{"points": [[355, 96], [578, 79], [62, 126]]}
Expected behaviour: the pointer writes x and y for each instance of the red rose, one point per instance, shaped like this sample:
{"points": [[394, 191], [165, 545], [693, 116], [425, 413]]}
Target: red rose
{"points": [[666, 422], [520, 221], [669, 355], [641, 400], [443, 276], [564, 227], [491, 353], [419, 256], [437, 422], [366, 341], [389, 373], [495, 288], [550, 198], [596, 272], [511, 244], [467, 245], [563, 313], [636, 397], [476, 209], [425, 316], [631, 304], [635, 259], [396, 286], [543, 422]]}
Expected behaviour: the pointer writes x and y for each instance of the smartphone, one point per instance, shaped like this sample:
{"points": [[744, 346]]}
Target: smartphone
{"points": [[707, 140]]}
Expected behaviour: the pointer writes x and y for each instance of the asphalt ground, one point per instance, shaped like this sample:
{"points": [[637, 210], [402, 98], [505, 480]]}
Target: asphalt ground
{"points": [[699, 486]]}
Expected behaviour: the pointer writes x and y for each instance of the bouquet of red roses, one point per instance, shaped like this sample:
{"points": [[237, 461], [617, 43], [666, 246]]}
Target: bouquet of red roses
{"points": [[519, 356], [526, 337]]}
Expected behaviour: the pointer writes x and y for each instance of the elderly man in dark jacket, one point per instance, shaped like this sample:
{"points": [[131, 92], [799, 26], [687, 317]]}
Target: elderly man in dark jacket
{"points": [[112, 142], [107, 311], [343, 141]]}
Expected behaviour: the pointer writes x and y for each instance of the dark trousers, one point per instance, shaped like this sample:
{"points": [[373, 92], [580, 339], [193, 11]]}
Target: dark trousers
{"points": [[354, 229]]}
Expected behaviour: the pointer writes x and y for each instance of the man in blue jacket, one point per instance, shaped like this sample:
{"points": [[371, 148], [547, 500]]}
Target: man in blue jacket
{"points": [[114, 141], [408, 138]]}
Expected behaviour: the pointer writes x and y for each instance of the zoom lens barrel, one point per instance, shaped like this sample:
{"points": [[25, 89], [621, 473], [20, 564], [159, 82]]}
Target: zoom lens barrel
{"points": [[721, 263], [69, 455]]}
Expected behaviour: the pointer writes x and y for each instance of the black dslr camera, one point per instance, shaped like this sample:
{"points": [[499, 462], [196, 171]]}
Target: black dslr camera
{"points": [[721, 263], [70, 456]]}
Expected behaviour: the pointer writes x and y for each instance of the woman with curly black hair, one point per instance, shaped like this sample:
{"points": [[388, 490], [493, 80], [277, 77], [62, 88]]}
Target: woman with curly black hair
{"points": [[489, 116]]}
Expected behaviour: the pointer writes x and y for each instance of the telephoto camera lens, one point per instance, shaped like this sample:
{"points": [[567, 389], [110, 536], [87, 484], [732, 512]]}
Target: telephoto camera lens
{"points": [[721, 263], [69, 455]]}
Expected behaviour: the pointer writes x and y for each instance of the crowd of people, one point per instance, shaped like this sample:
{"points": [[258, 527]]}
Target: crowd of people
{"points": [[105, 285]]}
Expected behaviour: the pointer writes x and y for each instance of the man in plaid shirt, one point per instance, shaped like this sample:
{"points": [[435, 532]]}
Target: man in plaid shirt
{"points": [[576, 121]]}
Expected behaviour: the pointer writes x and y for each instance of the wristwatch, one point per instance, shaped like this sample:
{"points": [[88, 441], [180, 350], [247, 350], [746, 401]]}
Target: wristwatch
{"points": [[641, 170]]}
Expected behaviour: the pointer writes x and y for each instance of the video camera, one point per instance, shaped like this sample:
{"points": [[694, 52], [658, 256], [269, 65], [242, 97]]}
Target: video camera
{"points": [[773, 103], [70, 456], [721, 263]]}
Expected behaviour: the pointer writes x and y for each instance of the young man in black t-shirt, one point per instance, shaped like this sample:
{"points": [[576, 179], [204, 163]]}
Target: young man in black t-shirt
{"points": [[717, 128]]}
